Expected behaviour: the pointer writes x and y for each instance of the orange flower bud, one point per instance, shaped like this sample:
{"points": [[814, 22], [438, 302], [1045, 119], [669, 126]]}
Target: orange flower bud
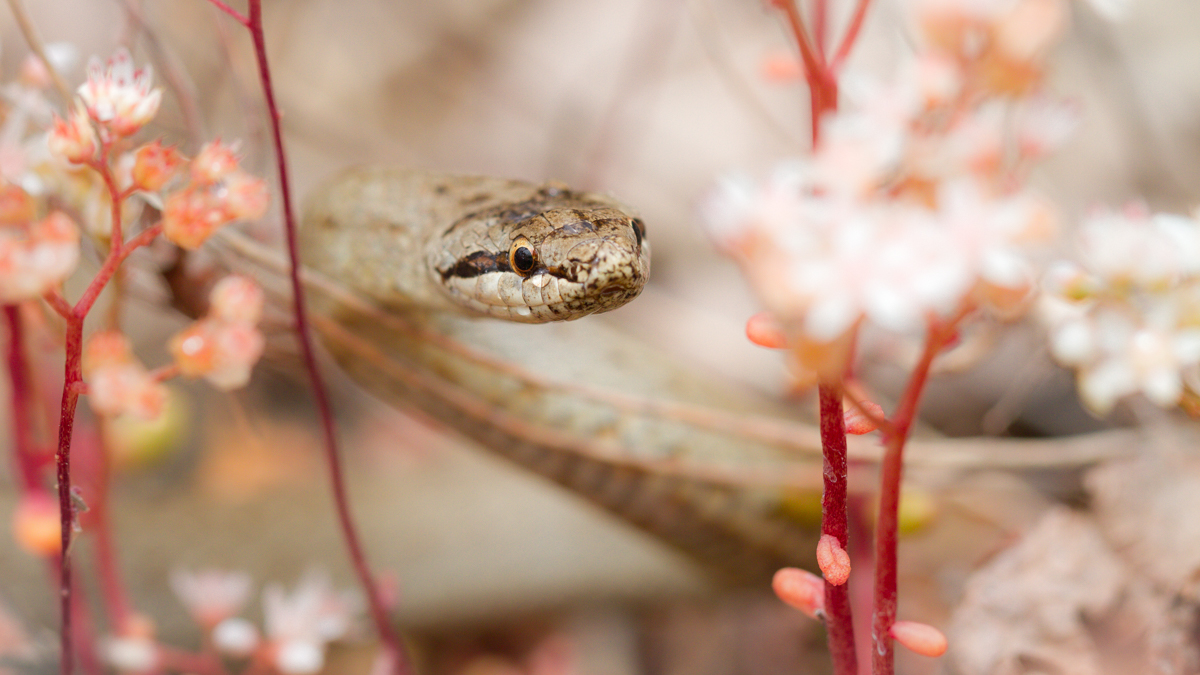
{"points": [[833, 560], [920, 638], [154, 164], [801, 589], [36, 525]]}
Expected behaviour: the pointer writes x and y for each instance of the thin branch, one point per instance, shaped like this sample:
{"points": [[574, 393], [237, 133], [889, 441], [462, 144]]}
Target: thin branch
{"points": [[856, 22], [237, 16], [839, 622], [22, 399], [887, 522], [822, 84], [38, 48], [399, 659]]}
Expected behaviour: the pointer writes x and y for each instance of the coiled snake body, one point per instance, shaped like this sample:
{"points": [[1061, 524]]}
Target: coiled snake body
{"points": [[426, 248]]}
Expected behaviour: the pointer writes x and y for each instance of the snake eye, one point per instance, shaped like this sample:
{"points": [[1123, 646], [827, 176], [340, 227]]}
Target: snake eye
{"points": [[639, 230], [521, 256]]}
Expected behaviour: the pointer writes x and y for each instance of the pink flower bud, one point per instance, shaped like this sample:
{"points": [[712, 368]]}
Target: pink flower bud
{"points": [[920, 638], [36, 260], [221, 352], [16, 206], [764, 331], [833, 560], [801, 589], [154, 164], [73, 139], [191, 216], [214, 162], [117, 383], [246, 196], [236, 299], [36, 524]]}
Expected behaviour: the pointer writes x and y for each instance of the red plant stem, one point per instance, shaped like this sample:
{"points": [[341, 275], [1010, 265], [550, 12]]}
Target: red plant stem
{"points": [[839, 623], [116, 601], [887, 524], [391, 641], [856, 22], [66, 510], [820, 24], [237, 16], [72, 379], [22, 413], [822, 82]]}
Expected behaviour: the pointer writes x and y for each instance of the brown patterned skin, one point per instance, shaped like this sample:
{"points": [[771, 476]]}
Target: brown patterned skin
{"points": [[475, 244]]}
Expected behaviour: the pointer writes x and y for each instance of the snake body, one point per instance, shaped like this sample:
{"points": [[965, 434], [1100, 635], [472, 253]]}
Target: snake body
{"points": [[420, 246]]}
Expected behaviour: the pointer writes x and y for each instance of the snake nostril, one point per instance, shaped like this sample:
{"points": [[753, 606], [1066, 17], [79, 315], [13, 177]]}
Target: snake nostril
{"points": [[611, 291]]}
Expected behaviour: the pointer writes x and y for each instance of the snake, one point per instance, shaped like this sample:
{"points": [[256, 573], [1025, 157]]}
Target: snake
{"points": [[436, 257], [410, 267], [507, 249]]}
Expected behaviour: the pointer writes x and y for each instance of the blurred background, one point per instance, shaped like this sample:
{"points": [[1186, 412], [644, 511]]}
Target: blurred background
{"points": [[650, 100]]}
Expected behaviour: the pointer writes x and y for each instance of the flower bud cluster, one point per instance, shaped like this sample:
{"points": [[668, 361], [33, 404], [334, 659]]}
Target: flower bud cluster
{"points": [[218, 192], [224, 346], [36, 254], [118, 383], [911, 207], [1125, 313]]}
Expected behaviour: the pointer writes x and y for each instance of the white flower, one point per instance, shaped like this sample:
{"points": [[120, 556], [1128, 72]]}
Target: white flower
{"points": [[302, 623], [235, 637], [1127, 315], [131, 654], [119, 97], [37, 259], [211, 596]]}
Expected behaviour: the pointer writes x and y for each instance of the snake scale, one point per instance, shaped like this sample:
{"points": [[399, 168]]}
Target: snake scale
{"points": [[427, 250]]}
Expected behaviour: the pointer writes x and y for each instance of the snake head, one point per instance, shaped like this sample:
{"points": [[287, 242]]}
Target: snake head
{"points": [[557, 256]]}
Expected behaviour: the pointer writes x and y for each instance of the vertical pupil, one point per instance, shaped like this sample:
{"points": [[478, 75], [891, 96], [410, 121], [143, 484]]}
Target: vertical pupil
{"points": [[523, 259]]}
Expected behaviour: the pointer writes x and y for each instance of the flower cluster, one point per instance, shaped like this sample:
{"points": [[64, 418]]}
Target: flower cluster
{"points": [[196, 197], [118, 383], [36, 254], [910, 208], [224, 346], [299, 625], [218, 193], [1126, 312]]}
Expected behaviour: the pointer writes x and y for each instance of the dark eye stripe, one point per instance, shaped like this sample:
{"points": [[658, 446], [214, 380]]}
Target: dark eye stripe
{"points": [[475, 264]]}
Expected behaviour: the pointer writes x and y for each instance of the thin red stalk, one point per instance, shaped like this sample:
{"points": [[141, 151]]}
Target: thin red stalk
{"points": [[72, 379], [821, 25], [822, 85], [887, 523], [237, 16], [116, 256], [839, 623], [66, 510], [856, 22], [58, 303], [22, 411], [388, 636], [116, 600], [85, 635]]}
